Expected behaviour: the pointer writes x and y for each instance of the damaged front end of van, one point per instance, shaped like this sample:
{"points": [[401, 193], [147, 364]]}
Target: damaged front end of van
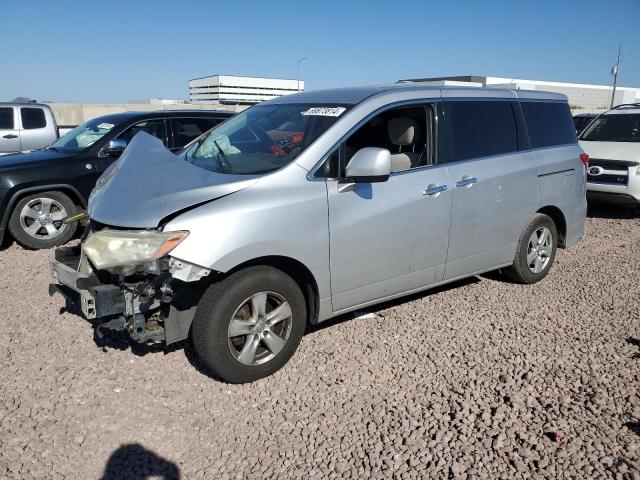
{"points": [[122, 274]]}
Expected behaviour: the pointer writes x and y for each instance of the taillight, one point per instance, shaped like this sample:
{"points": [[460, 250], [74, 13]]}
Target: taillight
{"points": [[584, 158]]}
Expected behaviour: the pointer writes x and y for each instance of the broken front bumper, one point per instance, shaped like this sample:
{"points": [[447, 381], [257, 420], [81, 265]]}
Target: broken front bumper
{"points": [[94, 299], [137, 304], [156, 303]]}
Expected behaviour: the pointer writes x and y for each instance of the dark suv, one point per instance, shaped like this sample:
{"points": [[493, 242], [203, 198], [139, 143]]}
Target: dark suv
{"points": [[39, 189]]}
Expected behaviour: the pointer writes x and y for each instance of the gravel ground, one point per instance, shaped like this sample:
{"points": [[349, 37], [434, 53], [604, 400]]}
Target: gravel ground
{"points": [[482, 379]]}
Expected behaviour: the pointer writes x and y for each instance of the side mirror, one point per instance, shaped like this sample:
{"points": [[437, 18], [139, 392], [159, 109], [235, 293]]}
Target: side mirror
{"points": [[114, 148], [368, 165]]}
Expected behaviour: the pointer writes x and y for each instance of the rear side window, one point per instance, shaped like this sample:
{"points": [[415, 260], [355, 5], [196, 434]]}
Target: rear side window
{"points": [[549, 124], [186, 129], [152, 127], [32, 118], [6, 118], [482, 128]]}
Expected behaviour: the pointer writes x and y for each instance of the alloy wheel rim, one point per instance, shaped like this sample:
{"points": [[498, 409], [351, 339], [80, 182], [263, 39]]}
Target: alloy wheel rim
{"points": [[260, 328], [539, 250], [42, 218]]}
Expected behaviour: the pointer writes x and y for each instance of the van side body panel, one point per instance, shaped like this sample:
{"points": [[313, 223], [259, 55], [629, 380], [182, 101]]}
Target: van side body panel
{"points": [[488, 217], [562, 182], [562, 177], [282, 214]]}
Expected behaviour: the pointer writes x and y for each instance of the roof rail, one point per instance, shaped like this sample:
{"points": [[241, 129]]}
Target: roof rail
{"points": [[626, 105]]}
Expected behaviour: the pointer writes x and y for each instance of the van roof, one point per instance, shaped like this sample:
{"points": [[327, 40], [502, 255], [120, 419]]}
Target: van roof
{"points": [[354, 95]]}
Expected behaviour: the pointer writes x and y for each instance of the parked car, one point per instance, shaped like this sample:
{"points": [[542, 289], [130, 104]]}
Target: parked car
{"points": [[388, 191], [26, 126], [612, 141], [582, 120], [39, 189]]}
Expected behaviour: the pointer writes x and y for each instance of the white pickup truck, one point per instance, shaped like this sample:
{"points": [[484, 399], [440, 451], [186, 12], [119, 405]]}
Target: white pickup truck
{"points": [[27, 126]]}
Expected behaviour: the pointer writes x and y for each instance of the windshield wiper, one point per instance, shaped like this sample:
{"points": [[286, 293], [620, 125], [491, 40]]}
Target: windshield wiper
{"points": [[225, 161]]}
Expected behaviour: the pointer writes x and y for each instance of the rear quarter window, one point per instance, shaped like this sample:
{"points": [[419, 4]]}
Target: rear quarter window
{"points": [[32, 118], [549, 124]]}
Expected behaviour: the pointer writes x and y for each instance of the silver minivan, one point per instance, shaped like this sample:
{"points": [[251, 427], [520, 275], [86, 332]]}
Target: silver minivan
{"points": [[316, 204]]}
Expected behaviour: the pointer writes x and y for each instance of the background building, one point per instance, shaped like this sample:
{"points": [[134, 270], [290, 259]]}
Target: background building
{"points": [[158, 101], [582, 97], [229, 89]]}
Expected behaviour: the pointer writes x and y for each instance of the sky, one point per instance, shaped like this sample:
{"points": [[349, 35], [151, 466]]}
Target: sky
{"points": [[115, 51]]}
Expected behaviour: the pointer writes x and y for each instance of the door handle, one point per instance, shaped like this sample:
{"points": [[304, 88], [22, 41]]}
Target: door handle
{"points": [[10, 135], [466, 182], [434, 189]]}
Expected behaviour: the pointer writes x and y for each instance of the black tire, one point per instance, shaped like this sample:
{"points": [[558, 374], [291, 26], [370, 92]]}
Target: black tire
{"points": [[520, 271], [18, 226], [222, 300]]}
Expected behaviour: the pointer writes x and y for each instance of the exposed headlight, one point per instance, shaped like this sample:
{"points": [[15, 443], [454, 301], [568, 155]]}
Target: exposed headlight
{"points": [[125, 248]]}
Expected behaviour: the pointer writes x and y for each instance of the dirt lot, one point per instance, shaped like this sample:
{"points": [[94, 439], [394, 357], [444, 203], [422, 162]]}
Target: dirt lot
{"points": [[482, 379]]}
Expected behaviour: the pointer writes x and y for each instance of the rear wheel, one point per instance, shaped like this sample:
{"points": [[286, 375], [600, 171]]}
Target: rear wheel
{"points": [[536, 250], [37, 220], [250, 324]]}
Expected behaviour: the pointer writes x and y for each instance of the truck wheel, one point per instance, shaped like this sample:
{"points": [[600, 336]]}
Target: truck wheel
{"points": [[249, 325], [536, 250], [37, 220]]}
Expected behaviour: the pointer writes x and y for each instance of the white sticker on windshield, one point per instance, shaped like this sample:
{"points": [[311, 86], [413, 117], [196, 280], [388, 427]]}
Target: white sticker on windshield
{"points": [[106, 126], [325, 111]]}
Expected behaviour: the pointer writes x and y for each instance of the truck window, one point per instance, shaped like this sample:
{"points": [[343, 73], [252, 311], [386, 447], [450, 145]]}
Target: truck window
{"points": [[6, 118], [32, 118]]}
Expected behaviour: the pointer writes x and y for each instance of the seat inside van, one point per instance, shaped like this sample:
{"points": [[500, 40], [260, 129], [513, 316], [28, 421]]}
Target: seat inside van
{"points": [[403, 131]]}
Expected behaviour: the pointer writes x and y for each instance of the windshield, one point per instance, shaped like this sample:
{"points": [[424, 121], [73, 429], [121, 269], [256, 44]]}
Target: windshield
{"points": [[581, 122], [616, 127], [83, 136], [263, 138]]}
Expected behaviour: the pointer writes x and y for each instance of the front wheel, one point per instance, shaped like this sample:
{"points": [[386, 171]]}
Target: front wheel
{"points": [[536, 250], [37, 220], [250, 324]]}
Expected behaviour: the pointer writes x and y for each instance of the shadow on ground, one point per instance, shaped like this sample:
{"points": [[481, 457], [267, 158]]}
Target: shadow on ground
{"points": [[634, 426], [636, 343], [7, 242], [399, 301], [134, 462], [603, 210]]}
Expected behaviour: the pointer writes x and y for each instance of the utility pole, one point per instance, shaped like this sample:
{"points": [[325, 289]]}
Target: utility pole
{"points": [[298, 70], [614, 72]]}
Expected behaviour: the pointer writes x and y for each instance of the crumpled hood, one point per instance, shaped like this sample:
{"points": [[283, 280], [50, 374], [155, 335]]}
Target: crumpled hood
{"points": [[628, 151], [148, 183]]}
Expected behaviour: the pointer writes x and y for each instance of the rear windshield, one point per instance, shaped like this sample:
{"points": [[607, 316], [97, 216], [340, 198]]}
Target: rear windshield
{"points": [[615, 127], [262, 139]]}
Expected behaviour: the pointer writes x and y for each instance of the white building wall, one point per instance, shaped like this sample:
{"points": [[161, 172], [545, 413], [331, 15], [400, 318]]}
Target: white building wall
{"points": [[244, 90], [583, 96]]}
